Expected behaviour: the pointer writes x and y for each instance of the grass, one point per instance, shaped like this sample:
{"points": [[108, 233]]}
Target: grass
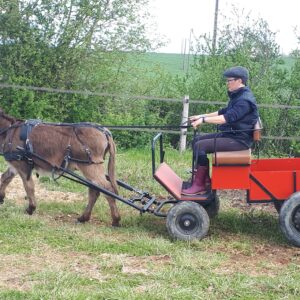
{"points": [[175, 64], [179, 64], [49, 256]]}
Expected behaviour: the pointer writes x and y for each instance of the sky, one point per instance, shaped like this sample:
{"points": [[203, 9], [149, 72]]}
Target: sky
{"points": [[176, 19]]}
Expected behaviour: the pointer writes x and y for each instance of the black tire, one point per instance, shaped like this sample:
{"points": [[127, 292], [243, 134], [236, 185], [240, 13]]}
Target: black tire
{"points": [[213, 207], [187, 221], [289, 219], [278, 205]]}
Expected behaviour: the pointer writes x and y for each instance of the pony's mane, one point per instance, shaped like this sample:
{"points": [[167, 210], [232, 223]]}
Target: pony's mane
{"points": [[9, 118]]}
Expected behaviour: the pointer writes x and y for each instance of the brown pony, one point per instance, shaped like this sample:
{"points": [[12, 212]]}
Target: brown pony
{"points": [[80, 146]]}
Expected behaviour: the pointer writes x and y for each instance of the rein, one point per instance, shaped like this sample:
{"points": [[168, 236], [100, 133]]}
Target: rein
{"points": [[181, 126], [26, 151]]}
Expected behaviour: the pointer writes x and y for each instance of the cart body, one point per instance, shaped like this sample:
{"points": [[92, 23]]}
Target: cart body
{"points": [[266, 180]]}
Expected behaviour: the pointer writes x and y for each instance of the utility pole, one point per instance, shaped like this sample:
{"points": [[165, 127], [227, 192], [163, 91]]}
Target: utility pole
{"points": [[214, 41], [189, 52]]}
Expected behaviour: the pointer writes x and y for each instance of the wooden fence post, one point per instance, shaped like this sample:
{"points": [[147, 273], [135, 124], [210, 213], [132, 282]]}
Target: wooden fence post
{"points": [[184, 119]]}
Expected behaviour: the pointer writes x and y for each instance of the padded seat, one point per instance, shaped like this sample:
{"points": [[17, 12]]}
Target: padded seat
{"points": [[242, 157]]}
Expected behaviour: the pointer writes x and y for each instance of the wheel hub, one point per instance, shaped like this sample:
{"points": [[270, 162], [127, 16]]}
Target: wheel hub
{"points": [[296, 219], [187, 222]]}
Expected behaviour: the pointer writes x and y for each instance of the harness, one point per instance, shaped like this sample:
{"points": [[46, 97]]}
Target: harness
{"points": [[26, 152], [25, 131]]}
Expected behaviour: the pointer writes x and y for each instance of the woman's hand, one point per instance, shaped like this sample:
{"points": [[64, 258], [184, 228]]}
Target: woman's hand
{"points": [[197, 122], [194, 118]]}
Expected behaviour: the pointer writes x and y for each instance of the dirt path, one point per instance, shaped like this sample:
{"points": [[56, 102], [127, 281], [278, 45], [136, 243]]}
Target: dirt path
{"points": [[16, 192]]}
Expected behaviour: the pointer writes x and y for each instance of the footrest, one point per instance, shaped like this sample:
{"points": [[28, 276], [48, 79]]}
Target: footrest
{"points": [[169, 180], [173, 183]]}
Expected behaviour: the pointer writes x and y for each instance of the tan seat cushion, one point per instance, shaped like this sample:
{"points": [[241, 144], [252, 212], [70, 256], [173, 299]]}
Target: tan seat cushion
{"points": [[242, 157]]}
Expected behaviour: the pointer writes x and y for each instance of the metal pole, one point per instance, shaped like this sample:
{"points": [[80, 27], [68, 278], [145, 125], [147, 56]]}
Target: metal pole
{"points": [[183, 131]]}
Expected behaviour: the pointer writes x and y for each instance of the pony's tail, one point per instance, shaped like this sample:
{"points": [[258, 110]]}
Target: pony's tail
{"points": [[111, 163]]}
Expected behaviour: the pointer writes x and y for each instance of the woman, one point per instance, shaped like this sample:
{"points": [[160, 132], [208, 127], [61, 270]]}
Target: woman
{"points": [[235, 122]]}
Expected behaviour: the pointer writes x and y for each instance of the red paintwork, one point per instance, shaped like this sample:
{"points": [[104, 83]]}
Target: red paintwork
{"points": [[230, 177], [281, 177]]}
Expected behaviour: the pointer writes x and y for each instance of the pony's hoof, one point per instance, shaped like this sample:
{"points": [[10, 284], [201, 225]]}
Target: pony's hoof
{"points": [[80, 221], [115, 224], [1, 200], [30, 210]]}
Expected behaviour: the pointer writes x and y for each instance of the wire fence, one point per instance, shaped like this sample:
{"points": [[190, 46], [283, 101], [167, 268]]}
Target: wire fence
{"points": [[149, 98], [132, 97]]}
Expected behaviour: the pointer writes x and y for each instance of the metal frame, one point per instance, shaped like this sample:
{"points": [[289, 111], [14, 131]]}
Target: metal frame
{"points": [[147, 203], [161, 151]]}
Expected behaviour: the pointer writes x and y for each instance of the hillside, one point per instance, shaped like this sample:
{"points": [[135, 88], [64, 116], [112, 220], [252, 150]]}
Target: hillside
{"points": [[176, 64], [179, 64]]}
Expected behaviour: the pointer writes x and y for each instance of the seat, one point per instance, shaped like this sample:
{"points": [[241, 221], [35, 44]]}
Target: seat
{"points": [[242, 157]]}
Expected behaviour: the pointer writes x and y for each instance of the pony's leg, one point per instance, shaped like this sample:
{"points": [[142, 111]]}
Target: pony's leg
{"points": [[115, 215], [29, 188], [92, 174], [86, 215], [6, 178]]}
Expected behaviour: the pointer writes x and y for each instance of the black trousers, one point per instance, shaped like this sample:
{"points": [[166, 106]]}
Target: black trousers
{"points": [[210, 143]]}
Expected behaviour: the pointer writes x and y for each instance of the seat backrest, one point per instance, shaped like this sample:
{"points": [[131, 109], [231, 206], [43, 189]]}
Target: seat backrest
{"points": [[257, 130]]}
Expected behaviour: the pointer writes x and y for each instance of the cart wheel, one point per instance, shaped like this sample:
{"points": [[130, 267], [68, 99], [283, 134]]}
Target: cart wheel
{"points": [[278, 205], [187, 221], [289, 219], [213, 207]]}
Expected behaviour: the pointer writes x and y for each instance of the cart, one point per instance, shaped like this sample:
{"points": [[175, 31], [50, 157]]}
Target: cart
{"points": [[275, 180], [265, 180]]}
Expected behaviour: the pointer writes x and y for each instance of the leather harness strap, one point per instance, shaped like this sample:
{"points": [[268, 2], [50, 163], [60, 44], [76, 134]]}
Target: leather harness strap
{"points": [[26, 152]]}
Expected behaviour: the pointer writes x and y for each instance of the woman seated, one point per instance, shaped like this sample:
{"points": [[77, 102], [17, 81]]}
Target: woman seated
{"points": [[236, 122]]}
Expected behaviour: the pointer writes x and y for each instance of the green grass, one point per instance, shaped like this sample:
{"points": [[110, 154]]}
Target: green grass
{"points": [[175, 64], [178, 64], [49, 256]]}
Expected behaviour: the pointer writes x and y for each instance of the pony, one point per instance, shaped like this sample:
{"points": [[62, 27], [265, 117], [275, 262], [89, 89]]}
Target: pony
{"points": [[49, 147]]}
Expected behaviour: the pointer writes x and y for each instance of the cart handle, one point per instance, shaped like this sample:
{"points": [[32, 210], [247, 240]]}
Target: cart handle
{"points": [[161, 151]]}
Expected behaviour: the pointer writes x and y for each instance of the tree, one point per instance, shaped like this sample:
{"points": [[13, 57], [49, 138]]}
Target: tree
{"points": [[250, 43], [69, 44]]}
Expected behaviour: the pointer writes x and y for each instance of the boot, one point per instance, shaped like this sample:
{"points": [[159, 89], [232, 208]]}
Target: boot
{"points": [[198, 185], [207, 181]]}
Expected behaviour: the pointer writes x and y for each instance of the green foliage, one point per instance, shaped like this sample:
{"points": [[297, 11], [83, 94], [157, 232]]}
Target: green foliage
{"points": [[98, 46], [250, 43], [81, 45], [66, 45]]}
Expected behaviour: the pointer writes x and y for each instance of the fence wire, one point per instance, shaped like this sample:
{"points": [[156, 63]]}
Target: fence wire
{"points": [[131, 97], [150, 98]]}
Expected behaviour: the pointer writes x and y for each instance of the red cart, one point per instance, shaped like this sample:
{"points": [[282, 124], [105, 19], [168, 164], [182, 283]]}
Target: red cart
{"points": [[275, 180]]}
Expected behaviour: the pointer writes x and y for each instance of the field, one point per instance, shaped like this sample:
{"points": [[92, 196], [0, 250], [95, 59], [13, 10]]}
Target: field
{"points": [[49, 256], [175, 64], [180, 64]]}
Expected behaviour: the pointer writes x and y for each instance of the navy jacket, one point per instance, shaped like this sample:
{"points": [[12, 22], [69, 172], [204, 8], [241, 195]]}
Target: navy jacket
{"points": [[240, 114]]}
